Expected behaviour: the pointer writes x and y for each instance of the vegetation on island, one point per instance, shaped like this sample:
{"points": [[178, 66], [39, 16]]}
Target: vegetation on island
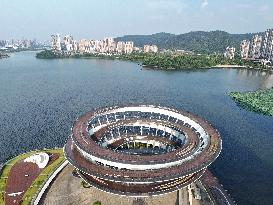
{"points": [[260, 101], [162, 61], [48, 54]]}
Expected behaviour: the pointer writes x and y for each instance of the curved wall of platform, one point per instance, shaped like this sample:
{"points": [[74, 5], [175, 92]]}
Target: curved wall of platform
{"points": [[141, 150]]}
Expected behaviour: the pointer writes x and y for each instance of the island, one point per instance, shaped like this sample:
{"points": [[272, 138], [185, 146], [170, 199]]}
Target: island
{"points": [[260, 101], [163, 61]]}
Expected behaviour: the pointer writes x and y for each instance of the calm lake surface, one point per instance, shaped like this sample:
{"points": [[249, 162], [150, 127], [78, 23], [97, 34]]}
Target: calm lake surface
{"points": [[40, 99]]}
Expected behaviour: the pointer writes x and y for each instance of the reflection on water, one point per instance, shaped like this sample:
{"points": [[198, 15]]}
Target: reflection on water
{"points": [[40, 99], [265, 78]]}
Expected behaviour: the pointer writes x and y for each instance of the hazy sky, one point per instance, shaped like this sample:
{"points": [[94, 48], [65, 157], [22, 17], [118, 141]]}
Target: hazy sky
{"points": [[98, 18]]}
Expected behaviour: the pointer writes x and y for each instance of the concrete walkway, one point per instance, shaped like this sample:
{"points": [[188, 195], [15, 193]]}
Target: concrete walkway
{"points": [[67, 189]]}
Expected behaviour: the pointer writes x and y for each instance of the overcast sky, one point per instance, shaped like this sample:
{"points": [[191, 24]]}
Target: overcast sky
{"points": [[94, 19]]}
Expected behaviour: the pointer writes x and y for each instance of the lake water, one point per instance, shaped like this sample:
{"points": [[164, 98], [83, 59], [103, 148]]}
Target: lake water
{"points": [[40, 99]]}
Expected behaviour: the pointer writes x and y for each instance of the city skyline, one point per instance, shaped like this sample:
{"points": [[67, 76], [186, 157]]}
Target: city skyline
{"points": [[31, 19]]}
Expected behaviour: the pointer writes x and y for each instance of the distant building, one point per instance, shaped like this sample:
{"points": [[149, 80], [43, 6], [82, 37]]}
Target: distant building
{"points": [[107, 46], [108, 41], [245, 44], [154, 48], [260, 48], [23, 43], [56, 42], [120, 47], [68, 42], [98, 45], [230, 53], [81, 46], [85, 46], [256, 46], [137, 49], [75, 46], [267, 50], [146, 48], [182, 52], [129, 47], [150, 49], [112, 47]]}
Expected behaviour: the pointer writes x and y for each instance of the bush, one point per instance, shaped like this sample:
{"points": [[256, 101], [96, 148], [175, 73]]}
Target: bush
{"points": [[97, 203], [84, 184]]}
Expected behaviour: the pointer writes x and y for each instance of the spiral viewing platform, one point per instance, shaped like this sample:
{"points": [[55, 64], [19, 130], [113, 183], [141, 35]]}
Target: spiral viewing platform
{"points": [[141, 150]]}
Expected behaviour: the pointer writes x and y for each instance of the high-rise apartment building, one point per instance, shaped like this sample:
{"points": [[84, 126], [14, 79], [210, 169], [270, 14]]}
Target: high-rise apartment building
{"points": [[75, 45], [106, 46], [230, 52], [120, 47], [245, 44], [267, 50], [85, 46], [150, 48], [56, 42], [154, 48], [256, 46], [129, 47], [68, 42]]}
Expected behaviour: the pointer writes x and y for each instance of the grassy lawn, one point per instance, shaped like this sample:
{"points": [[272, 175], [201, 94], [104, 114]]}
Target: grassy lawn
{"points": [[260, 101], [36, 185]]}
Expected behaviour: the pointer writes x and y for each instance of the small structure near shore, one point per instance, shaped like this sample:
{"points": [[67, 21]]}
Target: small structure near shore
{"points": [[41, 159]]}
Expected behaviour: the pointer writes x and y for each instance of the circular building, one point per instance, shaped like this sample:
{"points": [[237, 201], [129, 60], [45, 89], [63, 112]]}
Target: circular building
{"points": [[141, 150]]}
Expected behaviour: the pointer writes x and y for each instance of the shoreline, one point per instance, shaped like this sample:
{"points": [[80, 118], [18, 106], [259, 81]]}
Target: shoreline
{"points": [[230, 66], [207, 68]]}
